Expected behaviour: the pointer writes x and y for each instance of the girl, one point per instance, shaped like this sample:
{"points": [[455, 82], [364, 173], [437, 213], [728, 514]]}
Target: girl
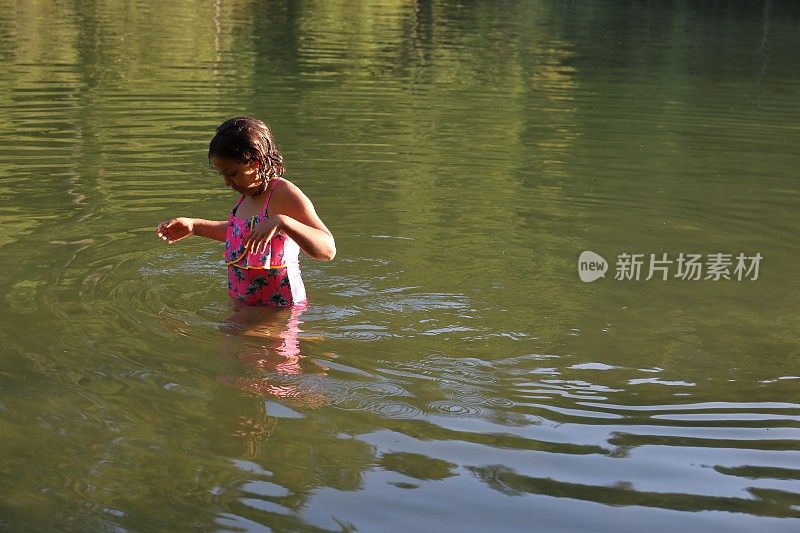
{"points": [[268, 226]]}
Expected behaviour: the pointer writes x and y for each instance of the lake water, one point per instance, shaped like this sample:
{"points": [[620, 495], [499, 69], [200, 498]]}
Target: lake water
{"points": [[452, 371]]}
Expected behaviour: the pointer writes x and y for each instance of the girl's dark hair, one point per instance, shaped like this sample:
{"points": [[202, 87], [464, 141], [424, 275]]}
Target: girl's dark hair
{"points": [[247, 139]]}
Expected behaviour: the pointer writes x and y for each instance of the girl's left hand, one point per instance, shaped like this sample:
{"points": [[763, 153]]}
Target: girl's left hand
{"points": [[259, 237]]}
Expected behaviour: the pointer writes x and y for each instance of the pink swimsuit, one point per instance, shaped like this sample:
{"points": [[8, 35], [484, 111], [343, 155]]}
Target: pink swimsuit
{"points": [[272, 278]]}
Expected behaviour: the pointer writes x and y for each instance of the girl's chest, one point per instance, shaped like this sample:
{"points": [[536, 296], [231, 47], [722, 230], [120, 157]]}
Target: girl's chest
{"points": [[248, 208]]}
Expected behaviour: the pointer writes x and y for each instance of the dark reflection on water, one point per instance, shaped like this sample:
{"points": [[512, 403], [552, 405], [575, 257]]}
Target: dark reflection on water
{"points": [[451, 370]]}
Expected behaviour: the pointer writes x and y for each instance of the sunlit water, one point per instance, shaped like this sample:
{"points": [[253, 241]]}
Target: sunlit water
{"points": [[452, 372]]}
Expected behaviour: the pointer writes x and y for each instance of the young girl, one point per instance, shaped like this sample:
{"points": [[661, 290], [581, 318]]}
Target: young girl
{"points": [[269, 225]]}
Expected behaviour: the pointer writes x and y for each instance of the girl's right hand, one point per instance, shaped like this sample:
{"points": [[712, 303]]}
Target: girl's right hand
{"points": [[175, 229]]}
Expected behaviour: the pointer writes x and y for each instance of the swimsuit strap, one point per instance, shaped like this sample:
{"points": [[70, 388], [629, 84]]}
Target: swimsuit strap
{"points": [[271, 189], [238, 203]]}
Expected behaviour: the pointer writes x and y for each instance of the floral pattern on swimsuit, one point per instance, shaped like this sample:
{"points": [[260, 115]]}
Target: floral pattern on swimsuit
{"points": [[271, 278]]}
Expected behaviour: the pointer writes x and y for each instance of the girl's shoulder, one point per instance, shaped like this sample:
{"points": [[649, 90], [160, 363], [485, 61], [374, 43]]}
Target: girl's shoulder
{"points": [[286, 190], [288, 197], [283, 183]]}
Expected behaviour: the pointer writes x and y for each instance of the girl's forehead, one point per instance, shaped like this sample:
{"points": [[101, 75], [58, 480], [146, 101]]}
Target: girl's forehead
{"points": [[224, 164]]}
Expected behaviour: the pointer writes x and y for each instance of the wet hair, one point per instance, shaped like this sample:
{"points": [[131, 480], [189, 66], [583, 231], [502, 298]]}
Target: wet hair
{"points": [[247, 139]]}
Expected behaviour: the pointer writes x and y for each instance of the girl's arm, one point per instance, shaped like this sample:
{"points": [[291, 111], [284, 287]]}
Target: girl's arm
{"points": [[178, 228], [294, 214], [314, 242]]}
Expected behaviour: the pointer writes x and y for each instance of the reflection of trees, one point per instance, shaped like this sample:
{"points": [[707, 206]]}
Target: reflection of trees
{"points": [[86, 71], [447, 111], [767, 502], [450, 132], [417, 466]]}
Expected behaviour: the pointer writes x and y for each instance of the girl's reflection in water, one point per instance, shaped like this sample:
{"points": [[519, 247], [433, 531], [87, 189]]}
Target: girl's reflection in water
{"points": [[275, 358]]}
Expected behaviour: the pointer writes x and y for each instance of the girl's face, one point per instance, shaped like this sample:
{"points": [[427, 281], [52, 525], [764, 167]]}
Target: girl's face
{"points": [[241, 177]]}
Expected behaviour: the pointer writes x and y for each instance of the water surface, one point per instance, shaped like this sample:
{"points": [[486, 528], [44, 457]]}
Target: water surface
{"points": [[452, 371]]}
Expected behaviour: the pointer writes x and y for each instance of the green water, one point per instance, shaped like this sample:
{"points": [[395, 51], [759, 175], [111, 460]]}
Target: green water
{"points": [[454, 373]]}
